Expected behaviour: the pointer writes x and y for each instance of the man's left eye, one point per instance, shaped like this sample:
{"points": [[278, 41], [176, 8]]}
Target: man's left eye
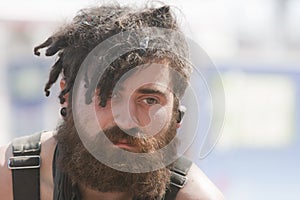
{"points": [[150, 101]]}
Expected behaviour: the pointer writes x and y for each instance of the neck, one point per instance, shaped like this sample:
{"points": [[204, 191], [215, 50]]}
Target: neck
{"points": [[90, 194]]}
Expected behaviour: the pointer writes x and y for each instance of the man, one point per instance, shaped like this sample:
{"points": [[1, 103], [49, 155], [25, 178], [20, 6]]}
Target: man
{"points": [[123, 72]]}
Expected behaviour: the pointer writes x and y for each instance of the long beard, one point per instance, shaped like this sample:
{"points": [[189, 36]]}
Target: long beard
{"points": [[84, 168]]}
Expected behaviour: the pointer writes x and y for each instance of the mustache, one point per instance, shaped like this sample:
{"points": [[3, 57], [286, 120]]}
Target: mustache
{"points": [[132, 136]]}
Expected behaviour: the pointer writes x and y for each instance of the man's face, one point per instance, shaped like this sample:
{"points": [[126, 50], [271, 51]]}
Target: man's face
{"points": [[140, 105]]}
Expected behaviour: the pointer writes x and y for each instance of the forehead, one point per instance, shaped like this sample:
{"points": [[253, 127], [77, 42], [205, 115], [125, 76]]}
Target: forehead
{"points": [[154, 75]]}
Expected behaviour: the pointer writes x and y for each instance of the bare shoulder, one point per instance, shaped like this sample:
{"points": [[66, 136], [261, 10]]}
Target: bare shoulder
{"points": [[199, 187], [48, 145], [5, 173]]}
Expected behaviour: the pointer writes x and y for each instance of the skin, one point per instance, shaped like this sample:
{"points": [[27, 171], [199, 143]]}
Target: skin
{"points": [[144, 102]]}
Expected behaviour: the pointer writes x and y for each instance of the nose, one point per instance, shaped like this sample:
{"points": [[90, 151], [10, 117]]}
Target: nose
{"points": [[124, 115]]}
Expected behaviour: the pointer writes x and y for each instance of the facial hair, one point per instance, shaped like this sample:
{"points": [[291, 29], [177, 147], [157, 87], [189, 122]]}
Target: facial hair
{"points": [[82, 167]]}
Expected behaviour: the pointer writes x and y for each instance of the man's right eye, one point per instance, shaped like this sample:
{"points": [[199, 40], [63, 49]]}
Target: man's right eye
{"points": [[150, 101]]}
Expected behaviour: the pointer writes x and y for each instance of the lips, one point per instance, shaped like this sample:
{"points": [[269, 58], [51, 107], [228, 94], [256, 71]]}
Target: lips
{"points": [[124, 144]]}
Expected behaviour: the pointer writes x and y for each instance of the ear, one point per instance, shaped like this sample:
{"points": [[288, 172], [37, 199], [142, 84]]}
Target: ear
{"points": [[181, 111], [62, 86]]}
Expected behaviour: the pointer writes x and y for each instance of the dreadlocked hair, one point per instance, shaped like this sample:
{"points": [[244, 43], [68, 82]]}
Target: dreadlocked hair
{"points": [[91, 26]]}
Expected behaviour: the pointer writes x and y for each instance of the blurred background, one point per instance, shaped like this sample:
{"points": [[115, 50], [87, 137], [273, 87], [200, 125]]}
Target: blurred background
{"points": [[255, 45]]}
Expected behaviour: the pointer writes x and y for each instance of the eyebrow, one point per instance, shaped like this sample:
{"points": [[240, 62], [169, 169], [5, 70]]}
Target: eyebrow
{"points": [[151, 91]]}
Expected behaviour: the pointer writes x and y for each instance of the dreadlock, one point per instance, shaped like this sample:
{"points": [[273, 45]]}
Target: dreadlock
{"points": [[74, 41]]}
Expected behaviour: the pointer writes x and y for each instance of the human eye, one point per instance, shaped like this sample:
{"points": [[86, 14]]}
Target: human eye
{"points": [[150, 101]]}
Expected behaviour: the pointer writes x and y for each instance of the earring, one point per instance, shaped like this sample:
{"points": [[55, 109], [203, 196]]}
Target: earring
{"points": [[181, 111], [63, 111]]}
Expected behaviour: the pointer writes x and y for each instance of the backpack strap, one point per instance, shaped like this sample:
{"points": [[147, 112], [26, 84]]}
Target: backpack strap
{"points": [[178, 177], [25, 166]]}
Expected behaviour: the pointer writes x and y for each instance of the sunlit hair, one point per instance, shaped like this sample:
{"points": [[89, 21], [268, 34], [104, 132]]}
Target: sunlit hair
{"points": [[91, 26]]}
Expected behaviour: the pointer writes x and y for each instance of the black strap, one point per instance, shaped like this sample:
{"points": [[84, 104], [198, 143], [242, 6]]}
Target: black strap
{"points": [[25, 166], [178, 177]]}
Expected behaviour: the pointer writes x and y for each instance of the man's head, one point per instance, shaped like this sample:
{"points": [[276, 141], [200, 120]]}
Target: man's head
{"points": [[136, 98], [74, 41]]}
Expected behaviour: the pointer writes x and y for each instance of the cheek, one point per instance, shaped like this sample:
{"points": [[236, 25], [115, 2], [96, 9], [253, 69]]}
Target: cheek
{"points": [[159, 120], [162, 116]]}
